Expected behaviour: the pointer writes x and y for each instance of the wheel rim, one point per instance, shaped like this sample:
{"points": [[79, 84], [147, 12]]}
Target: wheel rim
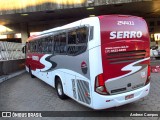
{"points": [[59, 89]]}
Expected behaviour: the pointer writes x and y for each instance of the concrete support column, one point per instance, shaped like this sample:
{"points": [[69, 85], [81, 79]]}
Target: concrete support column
{"points": [[24, 32]]}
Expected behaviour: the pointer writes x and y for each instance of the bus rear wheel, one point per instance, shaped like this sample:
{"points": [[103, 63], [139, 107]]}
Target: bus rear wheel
{"points": [[59, 89]]}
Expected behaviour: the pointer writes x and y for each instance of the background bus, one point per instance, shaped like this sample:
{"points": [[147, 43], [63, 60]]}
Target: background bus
{"points": [[100, 62]]}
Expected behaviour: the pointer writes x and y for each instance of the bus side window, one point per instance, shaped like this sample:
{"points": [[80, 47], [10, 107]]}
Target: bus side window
{"points": [[82, 39], [28, 47], [72, 37], [82, 35], [62, 45], [47, 45], [50, 44], [71, 49], [43, 45], [52, 41], [91, 33], [77, 41], [39, 47], [56, 44], [32, 46]]}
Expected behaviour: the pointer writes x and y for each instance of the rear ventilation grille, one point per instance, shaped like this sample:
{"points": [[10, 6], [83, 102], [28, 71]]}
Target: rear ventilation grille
{"points": [[127, 56], [118, 90]]}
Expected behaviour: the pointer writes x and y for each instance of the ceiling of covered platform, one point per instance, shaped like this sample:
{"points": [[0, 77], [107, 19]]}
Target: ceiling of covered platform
{"points": [[147, 9]]}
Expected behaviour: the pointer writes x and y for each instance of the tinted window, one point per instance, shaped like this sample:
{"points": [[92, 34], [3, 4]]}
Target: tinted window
{"points": [[28, 47], [50, 44], [39, 47], [82, 35], [62, 43], [72, 37], [77, 45], [33, 46], [72, 42], [91, 33], [56, 44]]}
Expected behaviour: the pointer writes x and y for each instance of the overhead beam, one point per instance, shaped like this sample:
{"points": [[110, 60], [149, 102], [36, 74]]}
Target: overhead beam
{"points": [[25, 6]]}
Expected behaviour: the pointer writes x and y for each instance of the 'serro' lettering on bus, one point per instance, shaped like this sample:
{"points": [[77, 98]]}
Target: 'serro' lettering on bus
{"points": [[125, 34]]}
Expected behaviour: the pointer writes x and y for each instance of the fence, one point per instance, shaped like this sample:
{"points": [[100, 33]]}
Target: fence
{"points": [[11, 51], [12, 58]]}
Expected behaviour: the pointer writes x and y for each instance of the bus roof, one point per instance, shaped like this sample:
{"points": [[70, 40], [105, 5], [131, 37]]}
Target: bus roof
{"points": [[70, 25]]}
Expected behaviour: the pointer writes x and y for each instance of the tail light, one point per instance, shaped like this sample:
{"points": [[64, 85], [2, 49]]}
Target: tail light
{"points": [[148, 75], [100, 85]]}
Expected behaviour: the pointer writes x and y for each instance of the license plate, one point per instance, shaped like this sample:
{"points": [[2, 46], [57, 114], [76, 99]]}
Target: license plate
{"points": [[129, 96]]}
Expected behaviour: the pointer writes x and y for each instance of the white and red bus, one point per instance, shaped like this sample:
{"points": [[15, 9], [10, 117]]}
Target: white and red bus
{"points": [[100, 62]]}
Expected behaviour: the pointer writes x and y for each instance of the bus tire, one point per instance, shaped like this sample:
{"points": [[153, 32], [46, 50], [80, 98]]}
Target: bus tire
{"points": [[30, 72], [59, 89]]}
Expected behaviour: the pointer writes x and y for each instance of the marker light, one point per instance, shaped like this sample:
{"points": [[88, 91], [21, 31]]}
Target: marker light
{"points": [[90, 8], [148, 75]]}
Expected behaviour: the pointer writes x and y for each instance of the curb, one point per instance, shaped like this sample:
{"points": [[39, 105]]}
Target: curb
{"points": [[6, 77]]}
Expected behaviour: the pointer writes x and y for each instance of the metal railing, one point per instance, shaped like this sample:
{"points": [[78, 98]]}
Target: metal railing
{"points": [[11, 51]]}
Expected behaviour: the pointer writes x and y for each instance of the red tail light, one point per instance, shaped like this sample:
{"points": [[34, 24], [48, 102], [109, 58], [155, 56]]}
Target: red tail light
{"points": [[148, 75], [100, 85], [100, 80]]}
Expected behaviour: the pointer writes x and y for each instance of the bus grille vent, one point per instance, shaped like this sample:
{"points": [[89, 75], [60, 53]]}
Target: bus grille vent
{"points": [[127, 56], [118, 90], [83, 91]]}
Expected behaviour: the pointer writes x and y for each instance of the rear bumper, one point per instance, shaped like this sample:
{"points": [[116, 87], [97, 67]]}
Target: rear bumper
{"points": [[99, 101]]}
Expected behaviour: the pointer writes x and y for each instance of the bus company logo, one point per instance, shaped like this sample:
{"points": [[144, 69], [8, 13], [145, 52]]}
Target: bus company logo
{"points": [[125, 34], [125, 23], [84, 67]]}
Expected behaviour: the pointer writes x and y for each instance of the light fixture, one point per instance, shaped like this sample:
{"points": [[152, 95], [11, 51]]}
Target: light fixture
{"points": [[90, 8], [157, 36], [4, 29], [25, 14], [92, 15], [90, 1]]}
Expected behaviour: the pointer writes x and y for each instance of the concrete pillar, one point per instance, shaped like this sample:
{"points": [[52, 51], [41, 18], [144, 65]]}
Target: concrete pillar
{"points": [[24, 32]]}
